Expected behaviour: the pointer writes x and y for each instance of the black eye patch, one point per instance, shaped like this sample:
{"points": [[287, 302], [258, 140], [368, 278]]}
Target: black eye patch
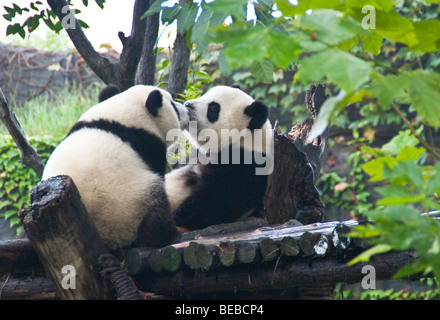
{"points": [[213, 111], [175, 109]]}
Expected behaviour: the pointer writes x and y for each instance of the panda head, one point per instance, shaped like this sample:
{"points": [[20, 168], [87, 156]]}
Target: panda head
{"points": [[144, 107], [225, 108]]}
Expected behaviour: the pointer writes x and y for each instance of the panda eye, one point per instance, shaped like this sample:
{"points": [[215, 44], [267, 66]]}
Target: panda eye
{"points": [[213, 111], [214, 107]]}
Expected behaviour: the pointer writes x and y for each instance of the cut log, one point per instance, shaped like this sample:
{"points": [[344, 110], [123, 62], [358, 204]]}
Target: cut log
{"points": [[18, 256], [66, 241], [137, 260], [269, 249], [248, 252], [15, 287], [263, 244], [227, 253], [171, 258], [340, 239], [314, 244], [289, 247], [313, 274]]}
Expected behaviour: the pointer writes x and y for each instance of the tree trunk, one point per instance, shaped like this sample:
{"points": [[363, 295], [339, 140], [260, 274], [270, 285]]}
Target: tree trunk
{"points": [[147, 63], [179, 66]]}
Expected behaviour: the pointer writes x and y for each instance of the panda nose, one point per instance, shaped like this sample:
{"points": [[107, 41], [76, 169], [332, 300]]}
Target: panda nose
{"points": [[189, 105]]}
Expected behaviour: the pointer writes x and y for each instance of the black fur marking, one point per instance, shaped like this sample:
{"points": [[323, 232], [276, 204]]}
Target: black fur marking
{"points": [[224, 193], [154, 102], [108, 92], [175, 109], [157, 228], [258, 112], [149, 147], [213, 111]]}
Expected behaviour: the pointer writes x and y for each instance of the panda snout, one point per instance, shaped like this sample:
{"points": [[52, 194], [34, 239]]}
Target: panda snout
{"points": [[189, 105]]}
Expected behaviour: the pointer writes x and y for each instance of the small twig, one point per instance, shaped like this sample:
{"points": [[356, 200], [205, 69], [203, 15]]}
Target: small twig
{"points": [[29, 156], [409, 125]]}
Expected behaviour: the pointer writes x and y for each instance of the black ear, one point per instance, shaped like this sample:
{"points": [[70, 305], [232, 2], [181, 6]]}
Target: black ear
{"points": [[236, 86], [154, 102], [258, 112], [108, 92]]}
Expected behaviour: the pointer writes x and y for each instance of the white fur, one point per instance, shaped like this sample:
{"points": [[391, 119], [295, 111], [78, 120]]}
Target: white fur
{"points": [[114, 183]]}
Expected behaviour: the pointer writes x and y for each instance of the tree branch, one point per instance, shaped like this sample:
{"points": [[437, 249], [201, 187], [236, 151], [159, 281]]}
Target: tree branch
{"points": [[133, 46], [409, 125], [29, 156], [103, 67]]}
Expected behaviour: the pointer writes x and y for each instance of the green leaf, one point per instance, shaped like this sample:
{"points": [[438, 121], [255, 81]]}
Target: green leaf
{"points": [[366, 255], [290, 48], [339, 67], [244, 38], [263, 70], [389, 87], [428, 36], [397, 143], [236, 8], [433, 182], [405, 172], [410, 153], [100, 3], [328, 109], [288, 9], [372, 43], [154, 8], [395, 195], [376, 167], [424, 92], [331, 26], [396, 28], [385, 5], [187, 17]]}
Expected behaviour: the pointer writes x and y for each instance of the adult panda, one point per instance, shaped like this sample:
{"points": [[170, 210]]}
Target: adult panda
{"points": [[231, 185], [116, 155]]}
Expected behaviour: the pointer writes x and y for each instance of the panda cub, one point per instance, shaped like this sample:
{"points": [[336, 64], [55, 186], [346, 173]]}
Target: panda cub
{"points": [[230, 185], [116, 155]]}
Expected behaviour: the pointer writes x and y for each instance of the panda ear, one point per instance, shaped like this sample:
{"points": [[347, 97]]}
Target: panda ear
{"points": [[108, 92], [154, 102], [258, 112]]}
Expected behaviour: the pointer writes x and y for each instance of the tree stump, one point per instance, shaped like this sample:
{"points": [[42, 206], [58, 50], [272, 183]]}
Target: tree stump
{"points": [[291, 188], [65, 240]]}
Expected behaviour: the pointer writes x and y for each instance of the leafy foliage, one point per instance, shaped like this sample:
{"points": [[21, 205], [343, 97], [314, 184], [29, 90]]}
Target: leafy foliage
{"points": [[37, 13], [16, 179], [408, 187]]}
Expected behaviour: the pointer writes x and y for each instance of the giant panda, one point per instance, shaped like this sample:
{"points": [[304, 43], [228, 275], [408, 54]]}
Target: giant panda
{"points": [[116, 156], [222, 190]]}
